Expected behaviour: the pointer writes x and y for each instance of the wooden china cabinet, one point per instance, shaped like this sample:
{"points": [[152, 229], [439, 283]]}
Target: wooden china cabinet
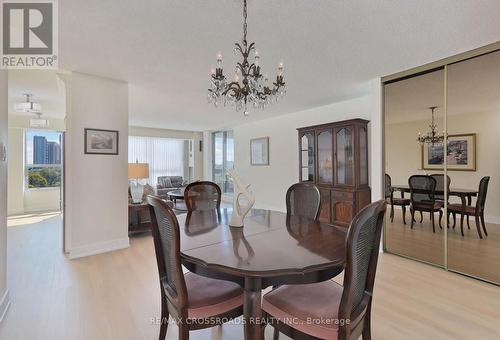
{"points": [[335, 157]]}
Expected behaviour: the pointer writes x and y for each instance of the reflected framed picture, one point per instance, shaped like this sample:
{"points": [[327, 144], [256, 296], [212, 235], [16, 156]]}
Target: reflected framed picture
{"points": [[259, 151], [101, 142], [460, 156]]}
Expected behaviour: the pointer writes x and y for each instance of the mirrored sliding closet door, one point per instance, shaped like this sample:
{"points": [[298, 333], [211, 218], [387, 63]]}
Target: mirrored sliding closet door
{"points": [[414, 115], [473, 162]]}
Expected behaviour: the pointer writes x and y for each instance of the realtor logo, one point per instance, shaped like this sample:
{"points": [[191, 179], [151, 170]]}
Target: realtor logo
{"points": [[29, 34]]}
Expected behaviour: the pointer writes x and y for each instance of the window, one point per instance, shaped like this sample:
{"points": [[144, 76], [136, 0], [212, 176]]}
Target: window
{"points": [[223, 159], [43, 159], [165, 156]]}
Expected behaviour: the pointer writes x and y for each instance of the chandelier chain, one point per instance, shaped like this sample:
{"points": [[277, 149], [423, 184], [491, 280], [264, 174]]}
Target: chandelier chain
{"points": [[245, 25]]}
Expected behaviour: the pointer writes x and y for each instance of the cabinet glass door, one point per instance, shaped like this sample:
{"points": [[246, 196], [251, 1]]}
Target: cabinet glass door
{"points": [[307, 157], [344, 157], [363, 157], [325, 161]]}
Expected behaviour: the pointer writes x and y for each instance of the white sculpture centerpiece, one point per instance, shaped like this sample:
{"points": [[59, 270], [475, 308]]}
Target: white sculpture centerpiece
{"points": [[240, 190]]}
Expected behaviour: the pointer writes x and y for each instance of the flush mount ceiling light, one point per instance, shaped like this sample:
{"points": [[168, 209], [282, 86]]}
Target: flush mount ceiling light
{"points": [[432, 137], [28, 105], [249, 86]]}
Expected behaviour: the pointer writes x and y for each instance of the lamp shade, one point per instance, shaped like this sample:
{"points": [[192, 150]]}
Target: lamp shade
{"points": [[138, 170]]}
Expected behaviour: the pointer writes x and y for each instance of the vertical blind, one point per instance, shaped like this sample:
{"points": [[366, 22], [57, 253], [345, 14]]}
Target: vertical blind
{"points": [[165, 156]]}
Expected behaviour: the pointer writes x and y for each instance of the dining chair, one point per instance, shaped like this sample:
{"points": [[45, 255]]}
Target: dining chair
{"points": [[440, 185], [394, 201], [328, 310], [422, 198], [202, 195], [303, 199], [193, 301], [477, 211]]}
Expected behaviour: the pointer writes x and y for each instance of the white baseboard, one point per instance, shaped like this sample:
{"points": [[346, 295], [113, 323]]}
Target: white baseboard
{"points": [[492, 219], [99, 248], [4, 305]]}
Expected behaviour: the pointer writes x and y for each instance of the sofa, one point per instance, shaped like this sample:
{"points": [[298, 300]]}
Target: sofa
{"points": [[169, 183]]}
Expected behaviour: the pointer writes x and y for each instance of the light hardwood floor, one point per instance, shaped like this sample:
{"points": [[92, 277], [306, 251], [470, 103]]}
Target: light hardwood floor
{"points": [[467, 254], [115, 295]]}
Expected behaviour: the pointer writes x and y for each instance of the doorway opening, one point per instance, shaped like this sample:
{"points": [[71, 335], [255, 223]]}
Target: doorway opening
{"points": [[37, 110]]}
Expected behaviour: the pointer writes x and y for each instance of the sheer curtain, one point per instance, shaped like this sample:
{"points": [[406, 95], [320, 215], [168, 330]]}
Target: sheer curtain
{"points": [[165, 156]]}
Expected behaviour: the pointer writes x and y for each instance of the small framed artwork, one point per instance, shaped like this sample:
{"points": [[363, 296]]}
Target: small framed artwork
{"points": [[101, 142], [259, 151], [461, 154]]}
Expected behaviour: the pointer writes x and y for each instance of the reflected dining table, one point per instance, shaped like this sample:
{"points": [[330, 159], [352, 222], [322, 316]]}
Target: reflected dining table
{"points": [[464, 194], [270, 250]]}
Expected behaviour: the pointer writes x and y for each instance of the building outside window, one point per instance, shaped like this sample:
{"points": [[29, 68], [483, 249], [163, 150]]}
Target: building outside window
{"points": [[43, 159], [223, 159]]}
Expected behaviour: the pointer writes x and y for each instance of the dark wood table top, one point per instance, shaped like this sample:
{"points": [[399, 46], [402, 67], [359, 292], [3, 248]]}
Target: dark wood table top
{"points": [[268, 244], [270, 250], [453, 191]]}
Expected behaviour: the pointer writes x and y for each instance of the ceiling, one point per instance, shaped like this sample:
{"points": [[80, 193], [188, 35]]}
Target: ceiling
{"points": [[331, 49], [473, 87], [46, 88]]}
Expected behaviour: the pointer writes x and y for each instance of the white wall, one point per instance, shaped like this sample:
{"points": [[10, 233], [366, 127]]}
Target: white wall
{"points": [[269, 183], [4, 295], [403, 154], [177, 134], [16, 174], [19, 201], [96, 185]]}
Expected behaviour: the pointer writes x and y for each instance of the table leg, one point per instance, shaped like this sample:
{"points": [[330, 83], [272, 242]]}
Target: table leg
{"points": [[462, 197], [252, 311]]}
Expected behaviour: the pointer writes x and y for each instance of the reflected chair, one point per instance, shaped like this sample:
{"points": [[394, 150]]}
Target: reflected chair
{"points": [[193, 301], [291, 308], [390, 199], [303, 199], [476, 211], [422, 198], [202, 195], [440, 185]]}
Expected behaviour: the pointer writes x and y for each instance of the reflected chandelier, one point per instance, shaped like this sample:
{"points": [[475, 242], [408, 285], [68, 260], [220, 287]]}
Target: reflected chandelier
{"points": [[249, 86], [432, 137]]}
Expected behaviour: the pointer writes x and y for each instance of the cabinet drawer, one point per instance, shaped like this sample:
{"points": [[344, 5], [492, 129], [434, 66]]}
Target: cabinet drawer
{"points": [[342, 195]]}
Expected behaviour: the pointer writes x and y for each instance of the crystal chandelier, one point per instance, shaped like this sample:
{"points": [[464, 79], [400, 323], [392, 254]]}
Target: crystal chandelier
{"points": [[432, 137], [249, 87]]}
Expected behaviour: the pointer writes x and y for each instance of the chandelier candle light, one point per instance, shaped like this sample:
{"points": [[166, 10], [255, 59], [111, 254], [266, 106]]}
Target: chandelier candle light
{"points": [[249, 86], [432, 137]]}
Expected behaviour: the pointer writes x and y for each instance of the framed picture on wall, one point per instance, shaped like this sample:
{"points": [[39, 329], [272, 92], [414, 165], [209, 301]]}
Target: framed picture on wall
{"points": [[101, 142], [259, 151], [461, 154]]}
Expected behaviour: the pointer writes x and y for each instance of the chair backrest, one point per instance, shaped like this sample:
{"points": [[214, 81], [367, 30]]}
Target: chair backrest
{"points": [[362, 249], [422, 190], [481, 196], [388, 186], [202, 195], [440, 184], [303, 199], [166, 237]]}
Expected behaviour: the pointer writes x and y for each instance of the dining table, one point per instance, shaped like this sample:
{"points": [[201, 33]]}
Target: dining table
{"points": [[271, 249], [465, 196]]}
